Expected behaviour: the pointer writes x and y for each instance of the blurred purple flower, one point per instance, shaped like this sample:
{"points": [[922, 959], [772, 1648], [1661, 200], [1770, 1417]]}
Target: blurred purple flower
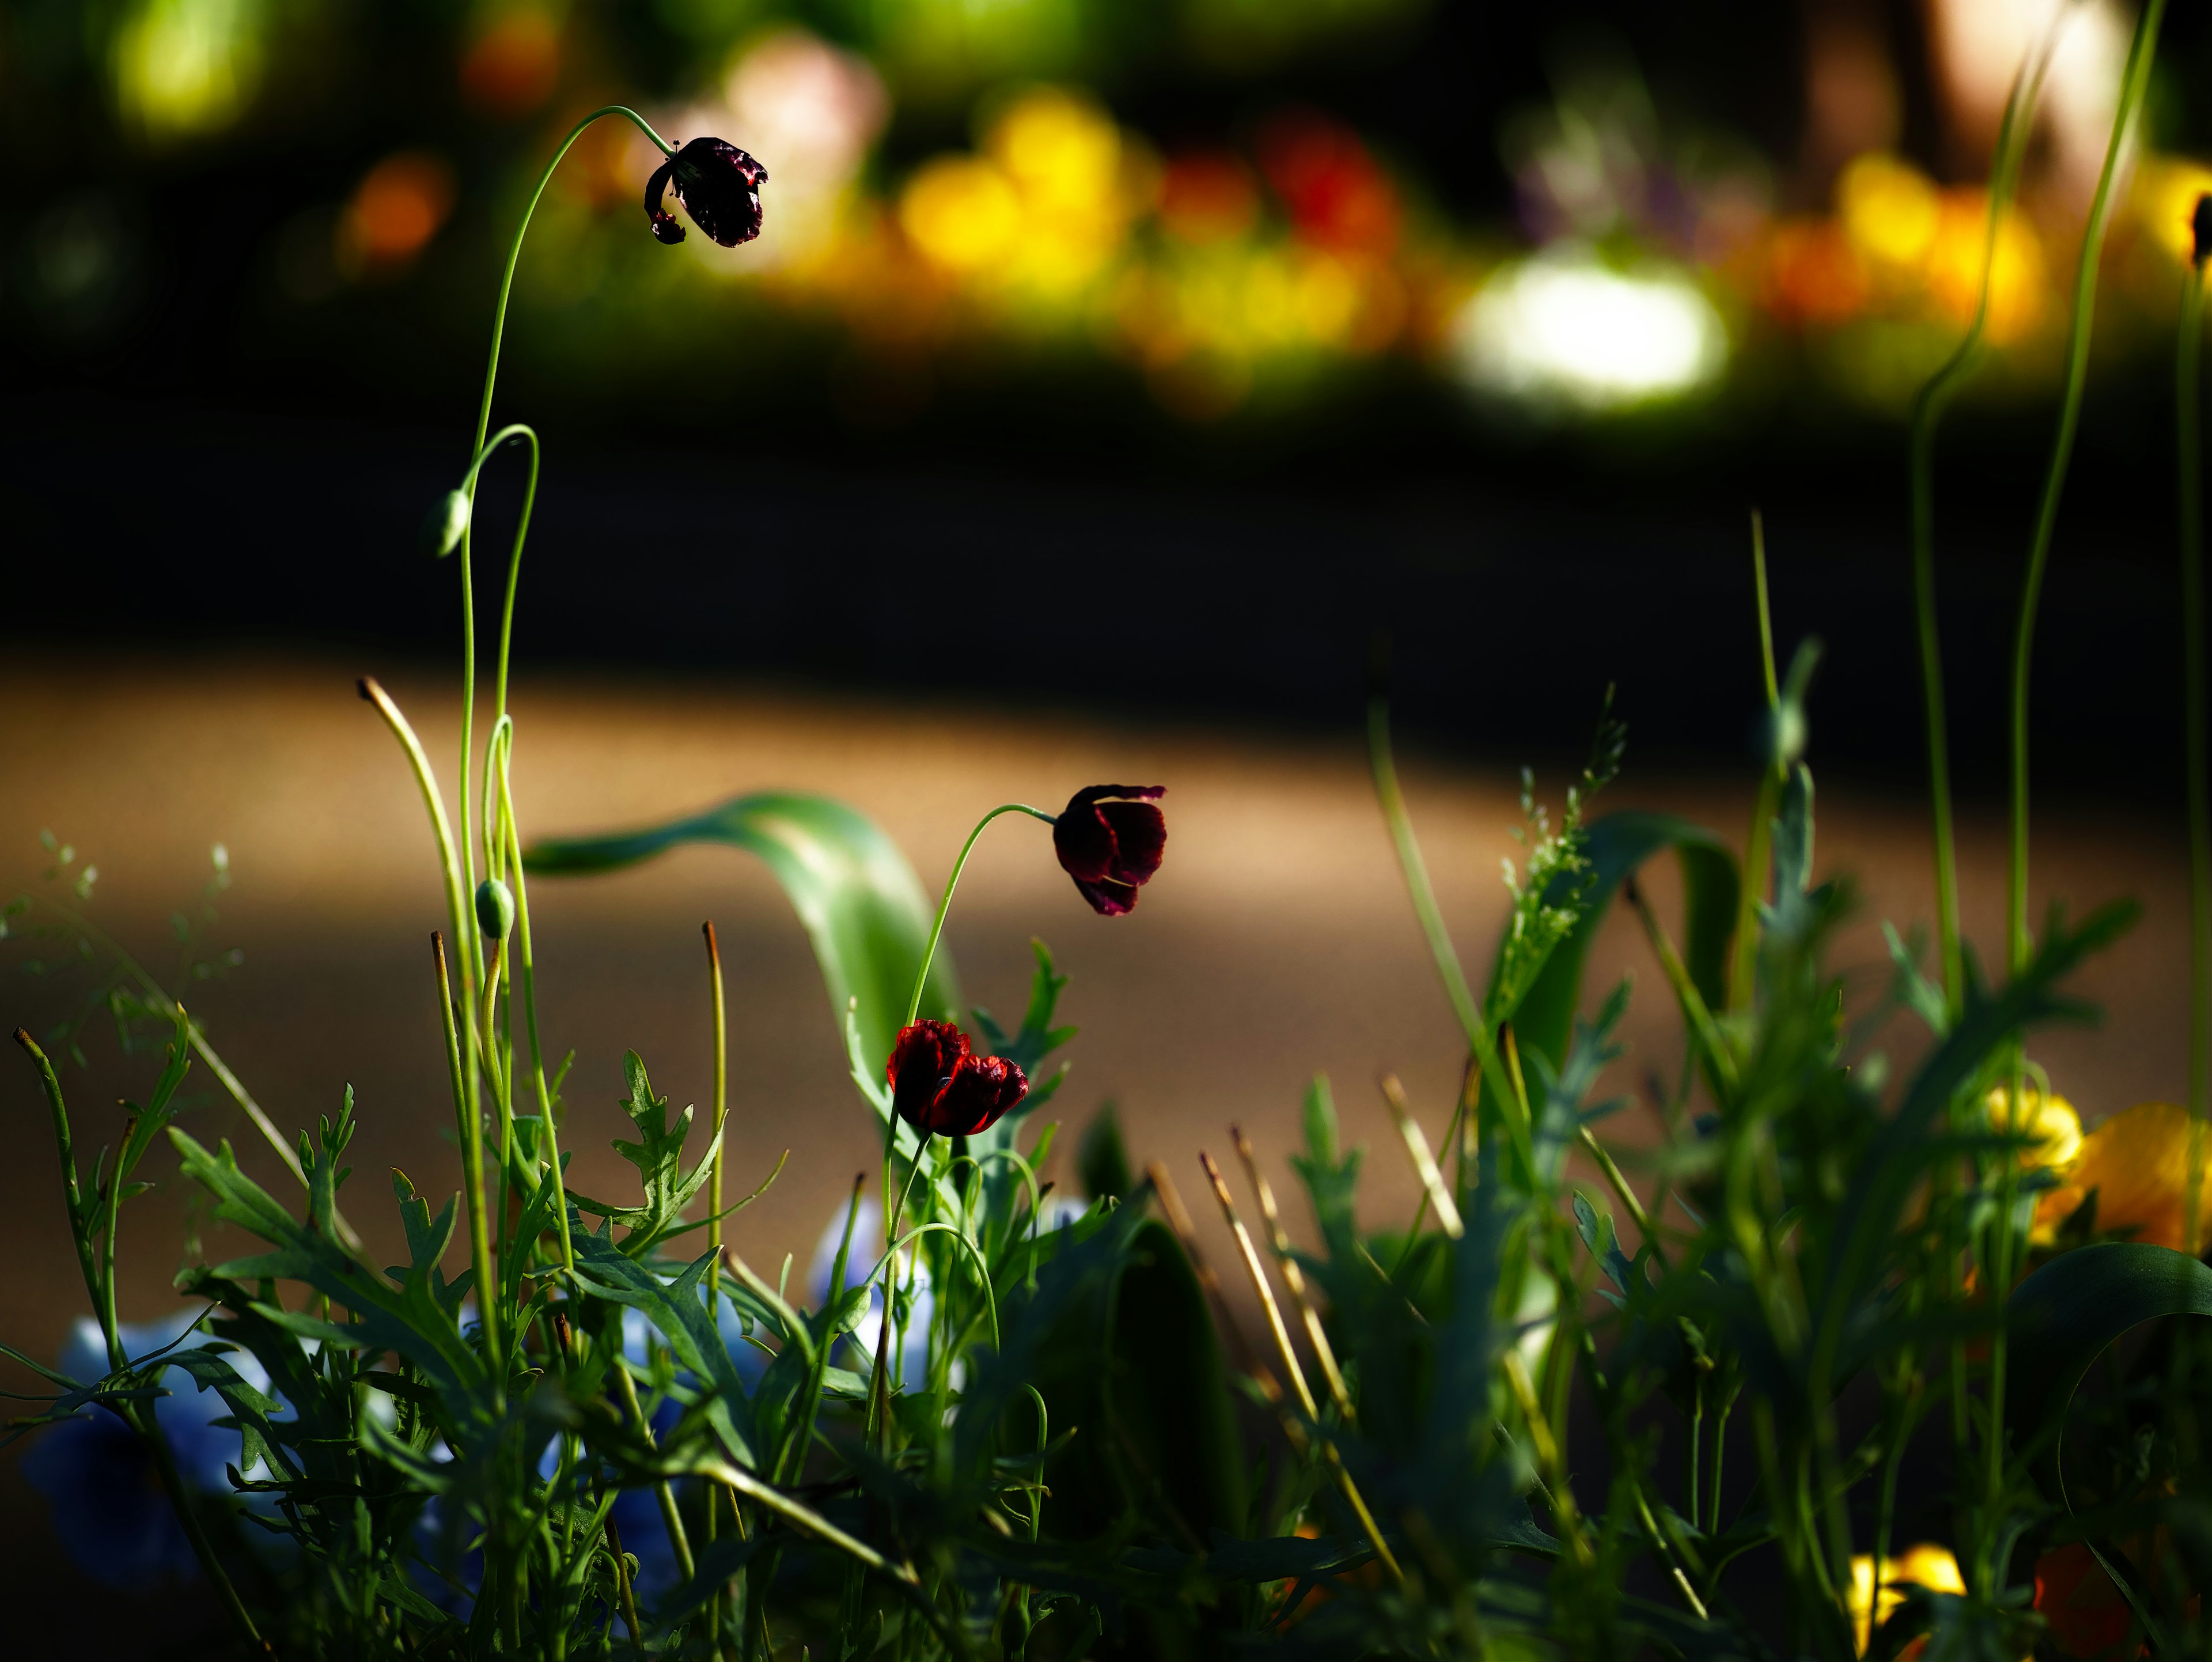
{"points": [[110, 1512]]}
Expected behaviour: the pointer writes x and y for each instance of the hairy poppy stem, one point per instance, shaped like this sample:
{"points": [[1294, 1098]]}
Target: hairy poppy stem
{"points": [[945, 905]]}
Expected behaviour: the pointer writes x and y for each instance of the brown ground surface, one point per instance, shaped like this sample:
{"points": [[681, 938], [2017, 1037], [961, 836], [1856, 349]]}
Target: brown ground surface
{"points": [[1276, 942]]}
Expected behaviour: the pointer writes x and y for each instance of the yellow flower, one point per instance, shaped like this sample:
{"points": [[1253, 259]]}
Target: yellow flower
{"points": [[2137, 1162], [2050, 1120], [1926, 1565]]}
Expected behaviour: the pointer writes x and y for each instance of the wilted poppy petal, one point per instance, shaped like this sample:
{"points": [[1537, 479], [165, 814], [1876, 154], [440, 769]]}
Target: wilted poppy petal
{"points": [[719, 187], [921, 1063], [664, 227], [1083, 839], [1110, 843], [1140, 837], [980, 1090], [1107, 898]]}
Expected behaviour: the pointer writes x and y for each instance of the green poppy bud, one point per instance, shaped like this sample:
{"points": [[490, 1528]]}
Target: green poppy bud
{"points": [[1785, 732], [445, 524], [495, 908]]}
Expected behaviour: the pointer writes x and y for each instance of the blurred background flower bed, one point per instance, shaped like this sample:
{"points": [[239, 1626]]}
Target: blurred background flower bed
{"points": [[1184, 217]]}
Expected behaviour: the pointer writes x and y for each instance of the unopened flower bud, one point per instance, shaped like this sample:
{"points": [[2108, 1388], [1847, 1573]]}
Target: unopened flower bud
{"points": [[1782, 734], [495, 908], [445, 524]]}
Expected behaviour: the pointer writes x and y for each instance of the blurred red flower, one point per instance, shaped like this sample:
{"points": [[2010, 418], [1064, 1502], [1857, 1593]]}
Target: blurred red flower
{"points": [[1336, 195], [941, 1089]]}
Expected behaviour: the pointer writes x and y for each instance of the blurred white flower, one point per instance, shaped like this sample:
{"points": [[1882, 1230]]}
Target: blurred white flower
{"points": [[1563, 328], [913, 1363]]}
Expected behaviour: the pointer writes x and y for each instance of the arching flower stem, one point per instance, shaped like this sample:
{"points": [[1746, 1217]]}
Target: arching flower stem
{"points": [[471, 954], [945, 905], [512, 430]]}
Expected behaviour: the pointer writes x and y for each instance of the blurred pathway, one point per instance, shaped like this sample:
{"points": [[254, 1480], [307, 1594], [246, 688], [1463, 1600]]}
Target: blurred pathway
{"points": [[1276, 942]]}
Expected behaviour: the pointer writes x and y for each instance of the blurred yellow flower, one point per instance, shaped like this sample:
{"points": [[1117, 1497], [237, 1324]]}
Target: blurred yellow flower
{"points": [[2163, 197], [1890, 208], [1926, 1565], [2050, 1120], [2138, 1163], [2018, 283], [962, 212]]}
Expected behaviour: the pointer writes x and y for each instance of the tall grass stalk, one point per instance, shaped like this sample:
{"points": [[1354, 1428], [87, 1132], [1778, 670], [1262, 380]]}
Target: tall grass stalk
{"points": [[2135, 80], [2189, 482]]}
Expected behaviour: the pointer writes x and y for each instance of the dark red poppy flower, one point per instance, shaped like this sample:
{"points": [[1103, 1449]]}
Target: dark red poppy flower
{"points": [[941, 1089], [719, 185], [1110, 839]]}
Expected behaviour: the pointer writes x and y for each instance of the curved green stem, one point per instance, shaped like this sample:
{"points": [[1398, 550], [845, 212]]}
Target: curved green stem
{"points": [[982, 1269], [471, 958], [945, 905], [2189, 517], [2135, 80], [1928, 406]]}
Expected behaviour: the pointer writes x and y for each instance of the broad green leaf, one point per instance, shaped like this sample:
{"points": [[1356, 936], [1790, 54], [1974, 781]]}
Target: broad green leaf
{"points": [[2060, 1320], [854, 891], [1131, 1363]]}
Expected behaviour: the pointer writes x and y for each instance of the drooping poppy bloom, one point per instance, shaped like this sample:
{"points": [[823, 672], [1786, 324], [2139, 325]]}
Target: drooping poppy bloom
{"points": [[941, 1088], [2137, 1164], [1110, 839], [719, 185]]}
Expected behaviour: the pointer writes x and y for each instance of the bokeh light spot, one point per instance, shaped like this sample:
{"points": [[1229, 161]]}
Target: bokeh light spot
{"points": [[188, 66], [395, 212], [1562, 328], [961, 212], [514, 63]]}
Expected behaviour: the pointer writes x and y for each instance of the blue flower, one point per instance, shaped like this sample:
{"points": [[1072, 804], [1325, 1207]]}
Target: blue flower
{"points": [[110, 1510]]}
